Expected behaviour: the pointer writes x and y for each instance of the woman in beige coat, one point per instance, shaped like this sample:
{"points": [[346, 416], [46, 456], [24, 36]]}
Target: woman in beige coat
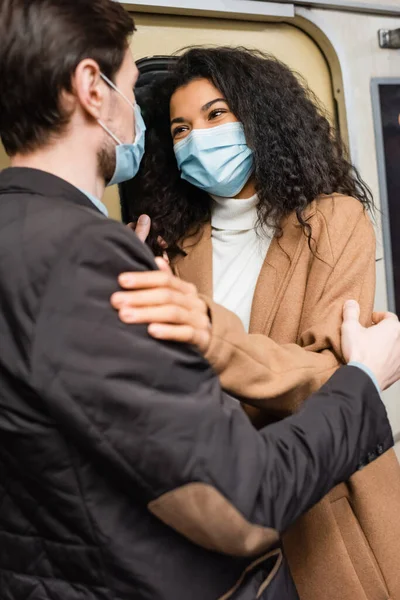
{"points": [[269, 221]]}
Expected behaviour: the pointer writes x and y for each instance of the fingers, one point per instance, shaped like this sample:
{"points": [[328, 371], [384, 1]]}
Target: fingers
{"points": [[155, 279], [351, 311], [170, 306], [171, 314], [142, 230], [174, 333], [377, 317], [163, 263], [156, 297], [143, 227], [162, 243], [183, 334]]}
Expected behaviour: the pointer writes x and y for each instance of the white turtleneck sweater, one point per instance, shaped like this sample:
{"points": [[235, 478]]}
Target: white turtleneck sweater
{"points": [[238, 254]]}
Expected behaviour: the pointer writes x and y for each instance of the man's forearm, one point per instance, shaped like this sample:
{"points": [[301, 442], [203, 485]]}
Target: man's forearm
{"points": [[339, 430]]}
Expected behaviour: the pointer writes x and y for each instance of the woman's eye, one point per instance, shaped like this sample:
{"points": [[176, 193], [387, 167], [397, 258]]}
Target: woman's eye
{"points": [[217, 113], [178, 131]]}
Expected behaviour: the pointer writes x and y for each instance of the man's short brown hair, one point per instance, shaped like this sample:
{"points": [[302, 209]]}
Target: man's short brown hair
{"points": [[41, 44]]}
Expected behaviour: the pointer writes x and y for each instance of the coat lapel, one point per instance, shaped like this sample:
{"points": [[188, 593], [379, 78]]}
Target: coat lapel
{"points": [[196, 266], [272, 281], [279, 264]]}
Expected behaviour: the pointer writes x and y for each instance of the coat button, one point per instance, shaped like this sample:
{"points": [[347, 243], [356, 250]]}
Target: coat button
{"points": [[371, 456], [379, 449]]}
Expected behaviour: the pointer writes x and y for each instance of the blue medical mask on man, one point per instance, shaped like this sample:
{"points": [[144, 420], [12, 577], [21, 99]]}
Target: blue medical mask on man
{"points": [[128, 156], [216, 160]]}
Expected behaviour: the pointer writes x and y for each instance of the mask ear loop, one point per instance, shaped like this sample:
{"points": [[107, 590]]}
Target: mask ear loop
{"points": [[110, 133], [133, 106], [114, 87]]}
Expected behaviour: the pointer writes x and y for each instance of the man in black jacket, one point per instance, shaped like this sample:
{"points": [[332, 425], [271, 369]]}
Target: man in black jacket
{"points": [[125, 472]]}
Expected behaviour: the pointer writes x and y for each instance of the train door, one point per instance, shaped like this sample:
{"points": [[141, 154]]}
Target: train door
{"points": [[164, 35]]}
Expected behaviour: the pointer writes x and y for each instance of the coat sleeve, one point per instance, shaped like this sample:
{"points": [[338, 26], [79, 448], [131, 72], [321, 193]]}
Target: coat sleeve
{"points": [[279, 377], [153, 415]]}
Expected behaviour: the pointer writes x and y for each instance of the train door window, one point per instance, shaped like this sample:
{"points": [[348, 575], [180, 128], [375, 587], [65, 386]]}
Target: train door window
{"points": [[386, 104]]}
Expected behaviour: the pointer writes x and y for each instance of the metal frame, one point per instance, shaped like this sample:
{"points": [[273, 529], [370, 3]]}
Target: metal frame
{"points": [[380, 157], [348, 6], [255, 9]]}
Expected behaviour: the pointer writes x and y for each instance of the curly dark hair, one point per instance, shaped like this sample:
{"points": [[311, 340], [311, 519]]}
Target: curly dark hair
{"points": [[297, 154]]}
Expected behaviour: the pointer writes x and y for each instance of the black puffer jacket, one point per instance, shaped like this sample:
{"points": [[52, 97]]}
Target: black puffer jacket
{"points": [[125, 473]]}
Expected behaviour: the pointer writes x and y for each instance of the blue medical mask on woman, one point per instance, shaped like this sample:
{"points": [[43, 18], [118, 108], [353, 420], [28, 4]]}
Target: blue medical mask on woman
{"points": [[128, 156], [216, 160]]}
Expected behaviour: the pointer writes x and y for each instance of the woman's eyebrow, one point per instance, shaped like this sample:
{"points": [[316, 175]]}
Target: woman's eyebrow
{"points": [[178, 120], [209, 104], [203, 109]]}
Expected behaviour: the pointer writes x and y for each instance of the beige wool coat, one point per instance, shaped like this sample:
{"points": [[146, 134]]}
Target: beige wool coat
{"points": [[348, 546]]}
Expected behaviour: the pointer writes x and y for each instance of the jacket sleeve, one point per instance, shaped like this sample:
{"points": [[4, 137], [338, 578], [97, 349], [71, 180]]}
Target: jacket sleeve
{"points": [[153, 415], [279, 377]]}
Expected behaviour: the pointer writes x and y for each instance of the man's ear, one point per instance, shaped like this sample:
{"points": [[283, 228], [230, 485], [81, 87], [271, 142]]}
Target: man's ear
{"points": [[89, 89]]}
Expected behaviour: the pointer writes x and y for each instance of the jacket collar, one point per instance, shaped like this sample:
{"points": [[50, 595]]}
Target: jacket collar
{"points": [[17, 180]]}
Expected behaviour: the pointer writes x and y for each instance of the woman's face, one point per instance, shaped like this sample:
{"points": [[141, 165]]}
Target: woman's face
{"points": [[198, 105]]}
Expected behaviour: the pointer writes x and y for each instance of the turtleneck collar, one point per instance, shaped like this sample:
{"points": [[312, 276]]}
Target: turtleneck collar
{"points": [[234, 214]]}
